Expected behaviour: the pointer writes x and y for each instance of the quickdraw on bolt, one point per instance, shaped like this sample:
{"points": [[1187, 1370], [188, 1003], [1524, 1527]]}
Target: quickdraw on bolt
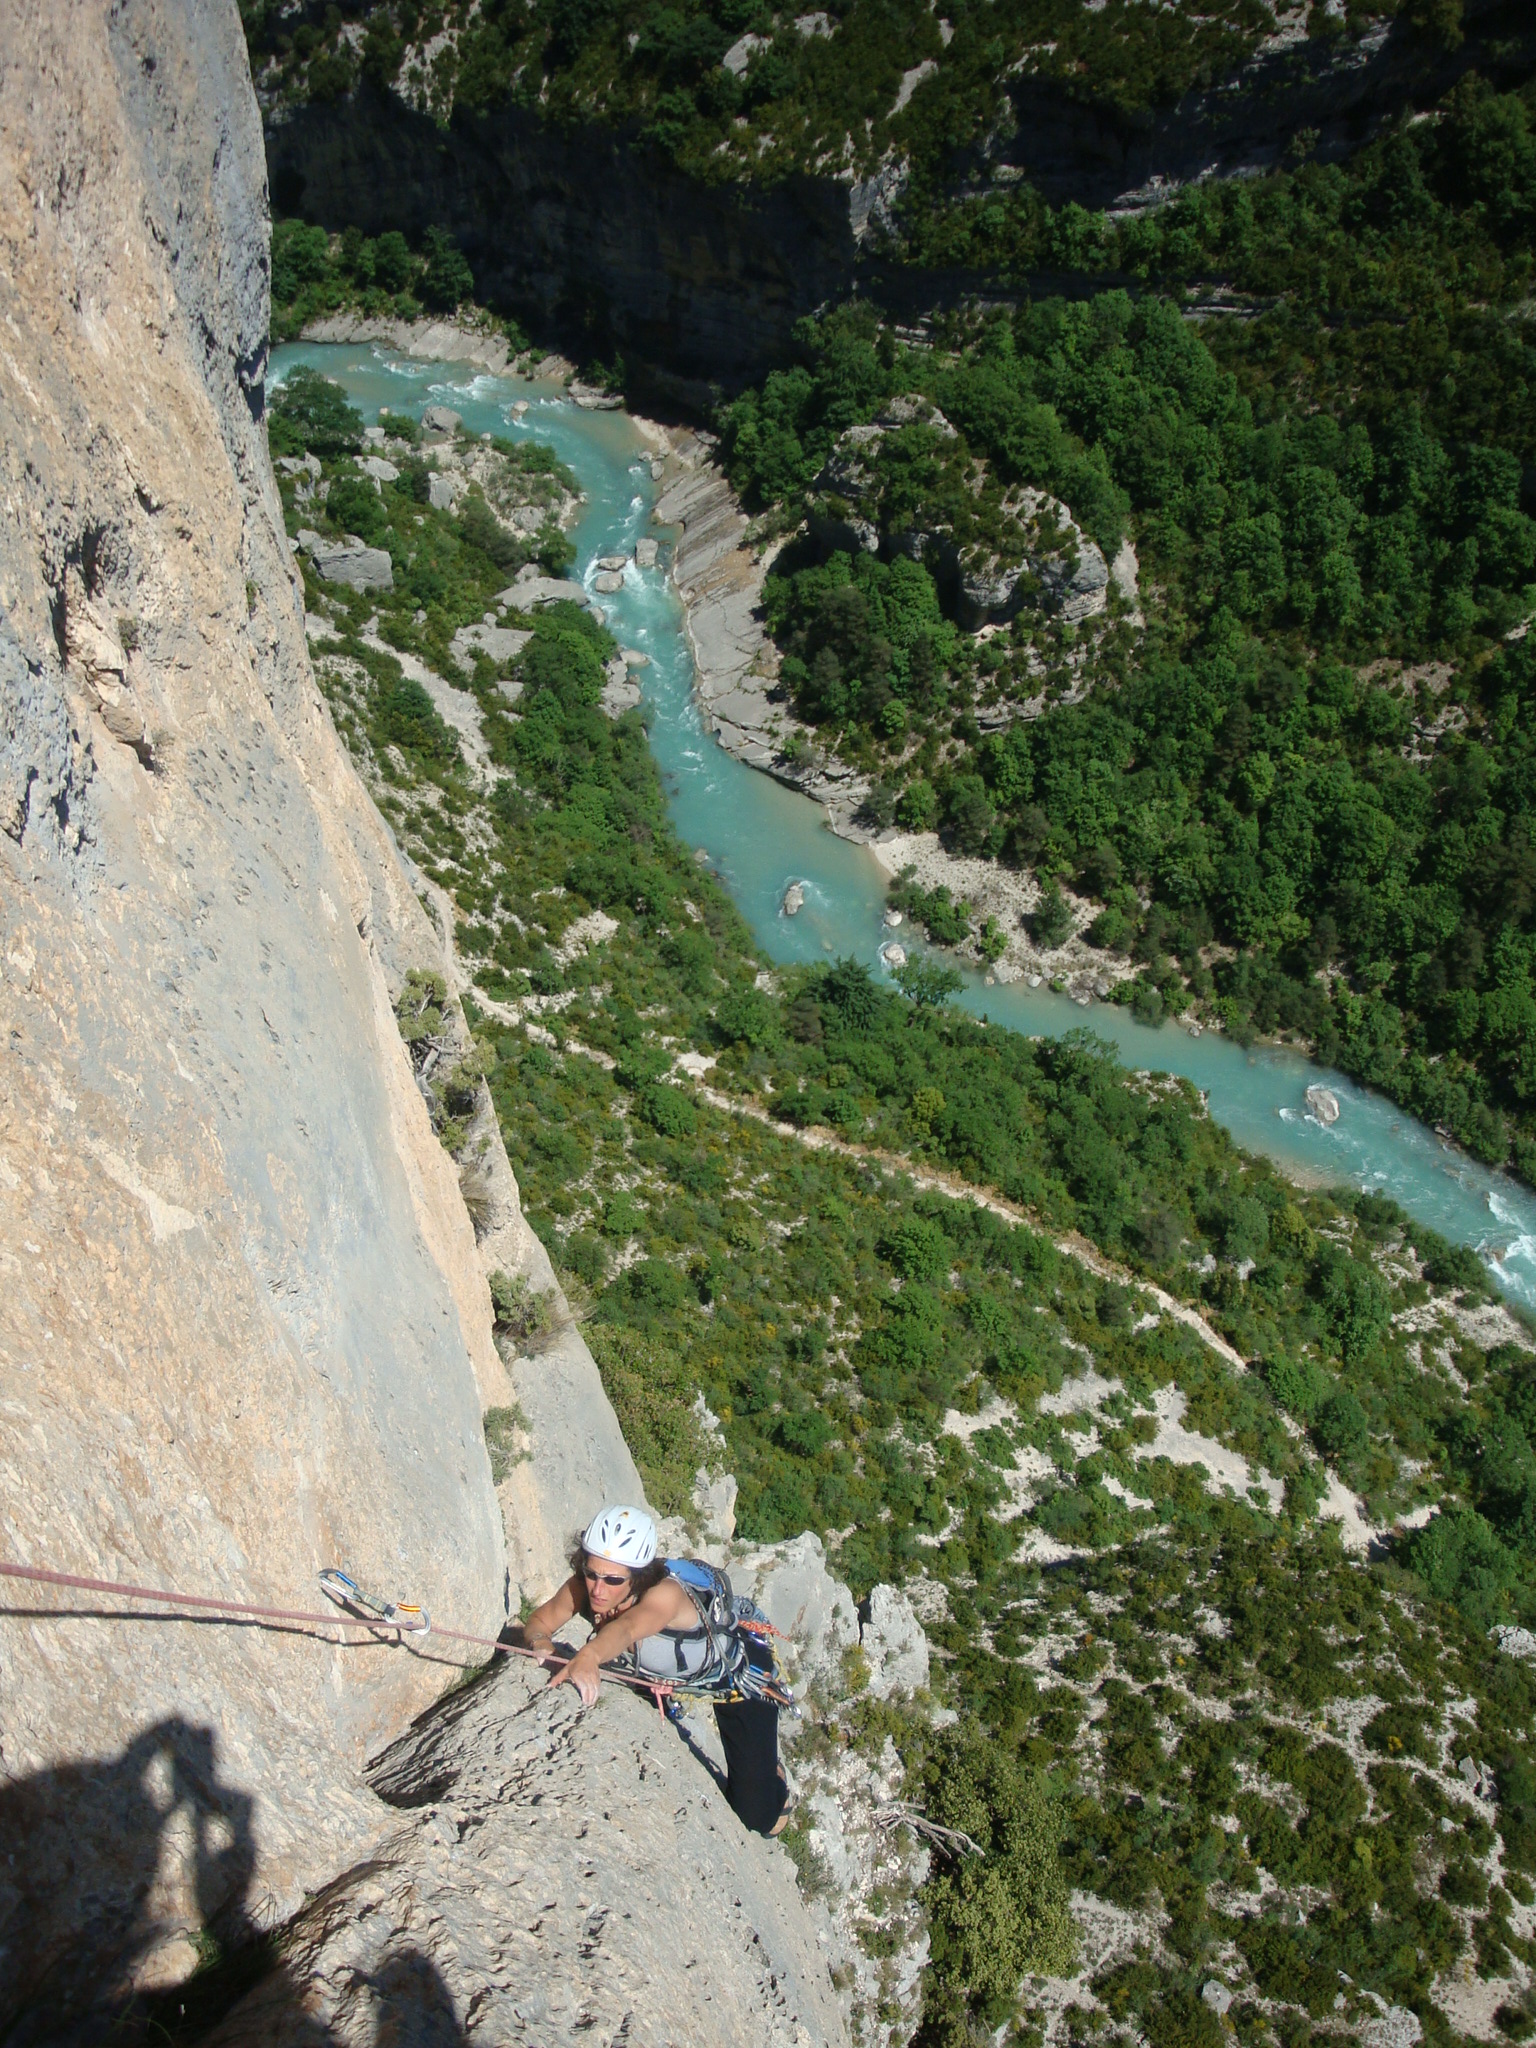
{"points": [[404, 1615]]}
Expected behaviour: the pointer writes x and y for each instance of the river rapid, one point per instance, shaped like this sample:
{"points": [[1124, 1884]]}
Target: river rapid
{"points": [[760, 837]]}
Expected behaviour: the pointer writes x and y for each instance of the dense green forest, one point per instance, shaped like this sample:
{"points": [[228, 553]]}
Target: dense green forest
{"points": [[1176, 1691], [1299, 794], [816, 90], [377, 274]]}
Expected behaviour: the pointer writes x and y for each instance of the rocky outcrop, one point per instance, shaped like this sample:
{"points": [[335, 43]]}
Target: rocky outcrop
{"points": [[719, 576], [350, 561], [1033, 550], [562, 1875], [245, 1328], [1336, 88]]}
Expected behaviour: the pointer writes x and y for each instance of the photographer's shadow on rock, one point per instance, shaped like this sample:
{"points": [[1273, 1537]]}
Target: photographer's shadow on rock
{"points": [[102, 1862]]}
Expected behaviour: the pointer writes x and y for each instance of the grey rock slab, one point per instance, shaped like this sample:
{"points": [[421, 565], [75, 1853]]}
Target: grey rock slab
{"points": [[893, 1640], [440, 422], [714, 1502], [532, 588], [276, 1349], [792, 1585], [443, 492], [379, 468], [457, 708], [646, 550], [501, 643], [353, 563], [608, 582], [620, 692], [552, 1874], [742, 51]]}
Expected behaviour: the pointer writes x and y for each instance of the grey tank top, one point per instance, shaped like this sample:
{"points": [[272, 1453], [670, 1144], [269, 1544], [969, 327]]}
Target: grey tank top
{"points": [[674, 1653]]}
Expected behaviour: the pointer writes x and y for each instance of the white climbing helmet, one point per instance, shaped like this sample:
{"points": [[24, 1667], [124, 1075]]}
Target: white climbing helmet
{"points": [[624, 1535]]}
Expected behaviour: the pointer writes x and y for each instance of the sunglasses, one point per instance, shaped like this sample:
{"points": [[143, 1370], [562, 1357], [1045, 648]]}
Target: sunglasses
{"points": [[603, 1578]]}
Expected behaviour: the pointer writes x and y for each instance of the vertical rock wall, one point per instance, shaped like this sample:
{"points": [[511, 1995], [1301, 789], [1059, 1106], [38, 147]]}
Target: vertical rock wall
{"points": [[244, 1329]]}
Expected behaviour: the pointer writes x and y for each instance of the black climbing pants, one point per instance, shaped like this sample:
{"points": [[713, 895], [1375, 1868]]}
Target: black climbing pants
{"points": [[749, 1735]]}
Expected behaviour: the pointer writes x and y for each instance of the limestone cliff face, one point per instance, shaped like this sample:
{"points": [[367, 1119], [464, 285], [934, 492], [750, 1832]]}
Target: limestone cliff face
{"points": [[244, 1326], [1333, 88]]}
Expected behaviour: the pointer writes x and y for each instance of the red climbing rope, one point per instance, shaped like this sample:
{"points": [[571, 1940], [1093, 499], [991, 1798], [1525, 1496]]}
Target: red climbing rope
{"points": [[244, 1609], [403, 1629]]}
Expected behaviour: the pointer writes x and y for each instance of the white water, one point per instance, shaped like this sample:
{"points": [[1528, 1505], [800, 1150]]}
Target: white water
{"points": [[760, 837]]}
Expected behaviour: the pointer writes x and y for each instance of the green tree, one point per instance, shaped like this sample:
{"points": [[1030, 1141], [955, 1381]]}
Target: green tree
{"points": [[1002, 1916], [312, 414], [447, 280]]}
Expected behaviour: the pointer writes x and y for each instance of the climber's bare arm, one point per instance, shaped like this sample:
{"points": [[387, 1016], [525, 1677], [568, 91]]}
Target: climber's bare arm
{"points": [[561, 1607], [664, 1606]]}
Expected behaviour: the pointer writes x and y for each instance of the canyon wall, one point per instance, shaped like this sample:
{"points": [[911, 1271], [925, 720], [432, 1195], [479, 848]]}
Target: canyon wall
{"points": [[597, 240], [580, 230], [1330, 91]]}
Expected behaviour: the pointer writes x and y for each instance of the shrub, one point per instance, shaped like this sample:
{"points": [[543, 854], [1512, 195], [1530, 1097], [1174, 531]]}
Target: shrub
{"points": [[420, 1006], [927, 983], [1339, 1426], [447, 280], [310, 414], [1298, 1385], [502, 1427], [1460, 1559], [354, 505], [1050, 922], [520, 1311], [919, 1250], [652, 1396], [667, 1109], [1004, 1916]]}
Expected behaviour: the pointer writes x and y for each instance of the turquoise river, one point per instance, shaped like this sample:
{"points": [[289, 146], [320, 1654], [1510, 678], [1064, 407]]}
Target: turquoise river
{"points": [[760, 837]]}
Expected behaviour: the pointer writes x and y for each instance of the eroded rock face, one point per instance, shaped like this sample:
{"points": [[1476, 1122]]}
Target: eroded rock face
{"points": [[244, 1328], [562, 1875]]}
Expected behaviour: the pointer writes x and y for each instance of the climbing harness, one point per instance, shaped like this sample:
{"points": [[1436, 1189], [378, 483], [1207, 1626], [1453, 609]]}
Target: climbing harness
{"points": [[727, 1619]]}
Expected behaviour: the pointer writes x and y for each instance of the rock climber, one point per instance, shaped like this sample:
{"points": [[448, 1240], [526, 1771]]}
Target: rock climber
{"points": [[647, 1621]]}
